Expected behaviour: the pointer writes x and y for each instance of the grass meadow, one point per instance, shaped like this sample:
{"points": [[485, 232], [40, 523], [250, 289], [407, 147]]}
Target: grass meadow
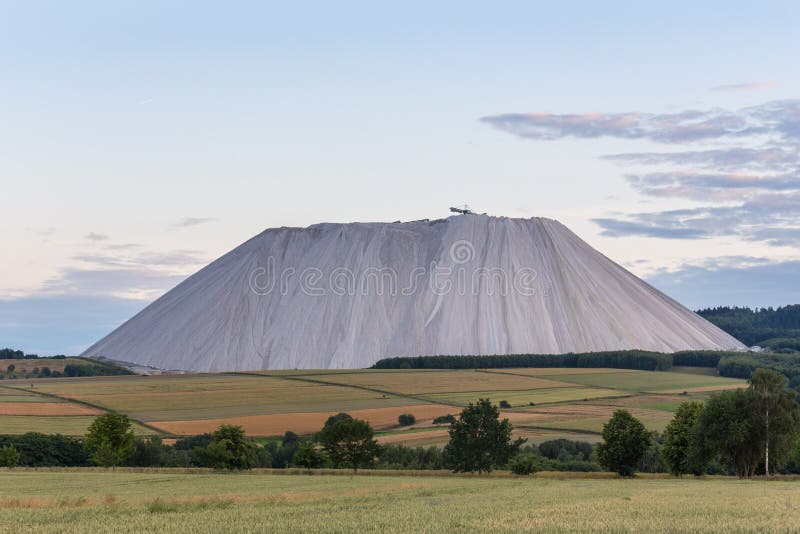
{"points": [[159, 501]]}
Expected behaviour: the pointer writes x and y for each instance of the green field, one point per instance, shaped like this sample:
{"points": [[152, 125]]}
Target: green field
{"points": [[98, 501], [575, 402]]}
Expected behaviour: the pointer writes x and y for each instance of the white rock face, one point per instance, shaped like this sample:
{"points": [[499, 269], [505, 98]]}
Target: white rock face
{"points": [[347, 295]]}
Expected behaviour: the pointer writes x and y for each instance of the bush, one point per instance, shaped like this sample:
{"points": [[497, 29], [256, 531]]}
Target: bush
{"points": [[308, 456], [525, 464], [45, 450], [148, 453], [445, 419], [566, 450], [229, 449], [505, 404], [396, 456], [406, 419]]}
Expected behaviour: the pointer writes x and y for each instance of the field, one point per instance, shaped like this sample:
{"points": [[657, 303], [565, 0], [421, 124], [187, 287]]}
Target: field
{"points": [[544, 403], [129, 501]]}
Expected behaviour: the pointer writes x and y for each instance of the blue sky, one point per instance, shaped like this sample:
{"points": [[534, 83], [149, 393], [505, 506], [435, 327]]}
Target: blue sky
{"points": [[140, 140]]}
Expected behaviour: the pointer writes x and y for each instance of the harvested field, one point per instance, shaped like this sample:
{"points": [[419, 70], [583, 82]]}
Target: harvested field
{"points": [[595, 424], [18, 395], [655, 381], [211, 397], [701, 389], [302, 423], [525, 397], [416, 383], [413, 439], [270, 403], [46, 408], [557, 371]]}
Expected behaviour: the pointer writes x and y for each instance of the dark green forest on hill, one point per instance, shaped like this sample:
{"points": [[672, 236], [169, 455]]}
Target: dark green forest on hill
{"points": [[775, 328]]}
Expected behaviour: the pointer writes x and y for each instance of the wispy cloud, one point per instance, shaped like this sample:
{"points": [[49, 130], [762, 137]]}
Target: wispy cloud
{"points": [[721, 187], [92, 236], [186, 222], [776, 159], [750, 185], [123, 271], [129, 283], [768, 218], [779, 118], [750, 86], [179, 258]]}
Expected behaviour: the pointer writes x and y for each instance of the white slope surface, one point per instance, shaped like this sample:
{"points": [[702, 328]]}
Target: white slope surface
{"points": [[470, 284]]}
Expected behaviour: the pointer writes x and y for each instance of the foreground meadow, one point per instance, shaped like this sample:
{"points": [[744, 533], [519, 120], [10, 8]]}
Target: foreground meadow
{"points": [[127, 501]]}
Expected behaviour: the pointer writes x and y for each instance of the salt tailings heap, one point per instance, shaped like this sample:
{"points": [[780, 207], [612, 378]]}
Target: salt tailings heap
{"points": [[347, 295]]}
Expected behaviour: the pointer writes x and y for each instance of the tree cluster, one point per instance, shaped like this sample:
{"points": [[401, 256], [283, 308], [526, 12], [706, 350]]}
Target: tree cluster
{"points": [[746, 430]]}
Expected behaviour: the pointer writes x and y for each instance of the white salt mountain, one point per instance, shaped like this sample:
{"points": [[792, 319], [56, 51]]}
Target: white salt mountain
{"points": [[347, 295]]}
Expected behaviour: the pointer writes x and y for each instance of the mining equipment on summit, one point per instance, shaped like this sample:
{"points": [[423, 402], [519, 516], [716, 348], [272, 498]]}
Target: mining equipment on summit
{"points": [[463, 210]]}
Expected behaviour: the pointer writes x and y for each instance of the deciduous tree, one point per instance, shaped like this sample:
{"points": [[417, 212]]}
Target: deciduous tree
{"points": [[110, 439], [729, 428], [777, 412], [625, 441], [678, 440], [479, 440], [350, 442]]}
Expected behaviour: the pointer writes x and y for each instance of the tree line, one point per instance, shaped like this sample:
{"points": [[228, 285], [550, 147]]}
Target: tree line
{"points": [[759, 326], [622, 359], [745, 432]]}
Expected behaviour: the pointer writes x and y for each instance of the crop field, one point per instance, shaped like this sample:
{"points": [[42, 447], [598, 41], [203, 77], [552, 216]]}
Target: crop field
{"points": [[129, 501], [191, 397], [649, 381], [432, 382], [302, 423], [570, 403]]}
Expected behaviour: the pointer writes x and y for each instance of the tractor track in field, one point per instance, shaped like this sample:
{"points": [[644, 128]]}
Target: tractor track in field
{"points": [[418, 398]]}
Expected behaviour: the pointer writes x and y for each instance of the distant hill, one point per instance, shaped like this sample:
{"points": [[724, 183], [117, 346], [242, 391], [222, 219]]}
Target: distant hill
{"points": [[777, 328]]}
